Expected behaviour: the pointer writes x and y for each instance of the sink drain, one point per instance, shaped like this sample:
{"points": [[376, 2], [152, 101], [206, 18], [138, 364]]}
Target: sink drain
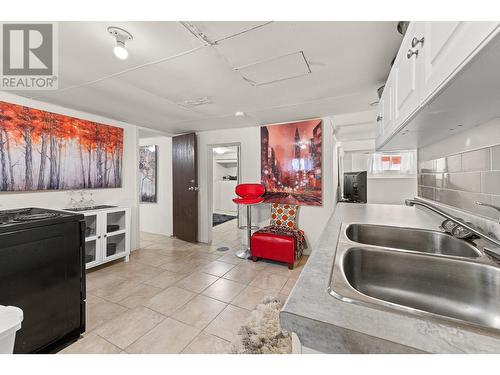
{"points": [[223, 248]]}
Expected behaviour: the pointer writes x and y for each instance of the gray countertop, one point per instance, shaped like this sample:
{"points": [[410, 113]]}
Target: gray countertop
{"points": [[329, 325]]}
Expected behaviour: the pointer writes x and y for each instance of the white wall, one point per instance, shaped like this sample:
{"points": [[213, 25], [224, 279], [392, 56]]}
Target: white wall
{"points": [[311, 219], [354, 162], [382, 190], [385, 190], [125, 196], [157, 217], [356, 136]]}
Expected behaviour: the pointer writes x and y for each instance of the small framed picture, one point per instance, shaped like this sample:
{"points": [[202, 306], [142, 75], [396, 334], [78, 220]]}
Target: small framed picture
{"points": [[148, 172]]}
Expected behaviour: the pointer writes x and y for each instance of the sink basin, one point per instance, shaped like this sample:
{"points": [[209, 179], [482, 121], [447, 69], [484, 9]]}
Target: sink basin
{"points": [[453, 288], [426, 241]]}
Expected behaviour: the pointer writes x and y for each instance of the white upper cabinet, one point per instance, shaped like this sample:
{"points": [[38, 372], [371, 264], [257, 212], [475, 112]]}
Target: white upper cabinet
{"points": [[406, 73], [447, 46], [385, 116], [430, 56]]}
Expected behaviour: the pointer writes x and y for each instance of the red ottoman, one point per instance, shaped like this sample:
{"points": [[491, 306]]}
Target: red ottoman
{"points": [[273, 247]]}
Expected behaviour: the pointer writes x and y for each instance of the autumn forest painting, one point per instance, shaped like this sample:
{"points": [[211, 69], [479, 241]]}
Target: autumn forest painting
{"points": [[41, 150]]}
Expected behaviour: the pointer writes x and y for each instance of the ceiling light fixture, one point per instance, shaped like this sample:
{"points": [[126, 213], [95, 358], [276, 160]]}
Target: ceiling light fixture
{"points": [[240, 114], [219, 150], [121, 37]]}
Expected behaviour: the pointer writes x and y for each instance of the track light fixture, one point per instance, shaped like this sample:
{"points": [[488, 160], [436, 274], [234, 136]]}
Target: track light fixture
{"points": [[121, 37]]}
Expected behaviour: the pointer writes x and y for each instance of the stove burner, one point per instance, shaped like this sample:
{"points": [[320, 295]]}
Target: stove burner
{"points": [[31, 217], [25, 215]]}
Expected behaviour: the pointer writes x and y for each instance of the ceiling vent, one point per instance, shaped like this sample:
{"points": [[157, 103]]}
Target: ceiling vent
{"points": [[195, 102], [275, 69]]}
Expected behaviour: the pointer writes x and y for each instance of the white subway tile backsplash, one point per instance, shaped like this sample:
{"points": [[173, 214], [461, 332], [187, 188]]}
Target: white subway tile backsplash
{"points": [[468, 181], [449, 197], [429, 180], [440, 180], [427, 192], [454, 163], [490, 182], [495, 158], [495, 200], [440, 165], [427, 166], [469, 204], [478, 160], [462, 179], [420, 179]]}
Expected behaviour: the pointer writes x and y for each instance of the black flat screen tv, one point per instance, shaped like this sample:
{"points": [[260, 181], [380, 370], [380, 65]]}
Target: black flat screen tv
{"points": [[355, 186]]}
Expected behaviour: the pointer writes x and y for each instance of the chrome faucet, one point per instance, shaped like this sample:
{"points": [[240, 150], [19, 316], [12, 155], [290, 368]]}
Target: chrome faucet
{"points": [[488, 205], [493, 252]]}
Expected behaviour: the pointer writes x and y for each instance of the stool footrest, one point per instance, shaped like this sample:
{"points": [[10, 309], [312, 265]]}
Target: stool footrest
{"points": [[274, 247], [252, 227]]}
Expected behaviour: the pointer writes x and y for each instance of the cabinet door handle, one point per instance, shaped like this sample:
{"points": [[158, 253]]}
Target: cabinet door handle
{"points": [[412, 52], [379, 118], [415, 42]]}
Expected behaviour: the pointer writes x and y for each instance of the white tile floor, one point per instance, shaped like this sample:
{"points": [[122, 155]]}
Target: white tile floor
{"points": [[177, 297]]}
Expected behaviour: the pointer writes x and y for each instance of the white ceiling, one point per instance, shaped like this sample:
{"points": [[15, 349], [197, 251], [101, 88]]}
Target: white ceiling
{"points": [[354, 127], [168, 65]]}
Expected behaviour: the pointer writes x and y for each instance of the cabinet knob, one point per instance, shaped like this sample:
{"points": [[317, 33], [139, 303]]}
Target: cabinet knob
{"points": [[379, 118], [415, 42], [412, 52]]}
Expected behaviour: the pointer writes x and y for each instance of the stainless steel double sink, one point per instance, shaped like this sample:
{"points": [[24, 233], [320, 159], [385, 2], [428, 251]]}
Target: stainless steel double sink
{"points": [[422, 272]]}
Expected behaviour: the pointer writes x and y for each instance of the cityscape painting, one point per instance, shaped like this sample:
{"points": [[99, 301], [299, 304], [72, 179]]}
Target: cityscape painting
{"points": [[291, 162], [148, 169], [42, 150]]}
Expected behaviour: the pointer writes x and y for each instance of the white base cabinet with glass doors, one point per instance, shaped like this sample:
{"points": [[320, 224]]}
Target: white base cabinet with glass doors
{"points": [[107, 235]]}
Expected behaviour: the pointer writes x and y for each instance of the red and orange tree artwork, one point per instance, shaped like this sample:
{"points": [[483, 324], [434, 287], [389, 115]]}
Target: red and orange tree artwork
{"points": [[291, 159], [42, 150]]}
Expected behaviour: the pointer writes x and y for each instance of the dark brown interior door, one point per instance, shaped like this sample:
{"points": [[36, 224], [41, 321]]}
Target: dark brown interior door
{"points": [[185, 187]]}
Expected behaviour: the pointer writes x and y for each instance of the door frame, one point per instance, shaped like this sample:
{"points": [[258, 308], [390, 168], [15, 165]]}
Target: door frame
{"points": [[210, 181]]}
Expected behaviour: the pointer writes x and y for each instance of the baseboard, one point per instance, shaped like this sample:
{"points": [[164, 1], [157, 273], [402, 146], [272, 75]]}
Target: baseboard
{"points": [[230, 213]]}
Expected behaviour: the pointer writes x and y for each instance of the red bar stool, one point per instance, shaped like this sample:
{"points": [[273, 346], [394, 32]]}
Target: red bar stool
{"points": [[248, 195]]}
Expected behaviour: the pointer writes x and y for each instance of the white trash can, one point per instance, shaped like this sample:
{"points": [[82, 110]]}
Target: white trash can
{"points": [[10, 322]]}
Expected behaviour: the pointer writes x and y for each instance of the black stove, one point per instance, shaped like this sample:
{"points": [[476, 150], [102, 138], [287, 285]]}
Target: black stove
{"points": [[42, 271]]}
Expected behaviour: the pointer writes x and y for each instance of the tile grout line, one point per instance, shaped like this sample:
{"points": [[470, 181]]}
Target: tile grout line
{"points": [[195, 294], [156, 325]]}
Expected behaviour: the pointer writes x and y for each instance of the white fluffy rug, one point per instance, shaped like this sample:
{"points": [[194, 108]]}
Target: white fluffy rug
{"points": [[262, 333]]}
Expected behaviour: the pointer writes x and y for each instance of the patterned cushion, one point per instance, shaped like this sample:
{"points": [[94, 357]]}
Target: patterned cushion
{"points": [[284, 215]]}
